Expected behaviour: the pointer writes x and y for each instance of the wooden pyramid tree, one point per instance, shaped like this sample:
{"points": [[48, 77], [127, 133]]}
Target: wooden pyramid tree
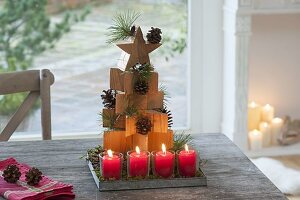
{"points": [[135, 113]]}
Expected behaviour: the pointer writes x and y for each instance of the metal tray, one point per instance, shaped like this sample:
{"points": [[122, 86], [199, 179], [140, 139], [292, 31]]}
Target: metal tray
{"points": [[146, 183]]}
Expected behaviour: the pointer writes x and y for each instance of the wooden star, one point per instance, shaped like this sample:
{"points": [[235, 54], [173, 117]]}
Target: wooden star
{"points": [[139, 50]]}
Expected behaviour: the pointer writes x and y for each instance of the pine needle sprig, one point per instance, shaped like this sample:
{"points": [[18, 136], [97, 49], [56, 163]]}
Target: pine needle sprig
{"points": [[130, 108], [180, 139], [130, 111], [121, 28], [109, 119], [167, 96], [144, 70]]}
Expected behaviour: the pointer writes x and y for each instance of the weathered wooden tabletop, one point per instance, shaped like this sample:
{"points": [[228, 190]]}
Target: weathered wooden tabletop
{"points": [[231, 175]]}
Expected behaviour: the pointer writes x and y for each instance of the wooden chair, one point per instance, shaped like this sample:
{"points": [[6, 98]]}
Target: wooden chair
{"points": [[37, 83]]}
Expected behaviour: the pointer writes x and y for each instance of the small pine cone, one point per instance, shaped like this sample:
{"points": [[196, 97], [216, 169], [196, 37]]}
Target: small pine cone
{"points": [[143, 125], [109, 98], [141, 87], [11, 174], [33, 176], [153, 35], [132, 30]]}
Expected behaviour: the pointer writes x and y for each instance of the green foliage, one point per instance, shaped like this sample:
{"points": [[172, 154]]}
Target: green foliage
{"points": [[11, 102], [121, 28], [143, 70], [174, 46], [130, 110], [14, 101], [176, 43], [93, 157], [111, 119], [180, 139], [167, 96], [25, 32]]}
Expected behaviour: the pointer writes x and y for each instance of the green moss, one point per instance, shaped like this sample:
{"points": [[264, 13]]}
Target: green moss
{"points": [[93, 157]]}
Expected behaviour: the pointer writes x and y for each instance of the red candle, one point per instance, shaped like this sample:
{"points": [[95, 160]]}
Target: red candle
{"points": [[164, 163], [111, 165], [138, 163], [187, 162]]}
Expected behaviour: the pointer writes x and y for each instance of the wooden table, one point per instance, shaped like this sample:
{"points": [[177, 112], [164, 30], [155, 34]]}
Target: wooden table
{"points": [[231, 175]]}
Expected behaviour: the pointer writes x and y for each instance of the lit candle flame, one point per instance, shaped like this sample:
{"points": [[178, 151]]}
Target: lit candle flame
{"points": [[110, 153], [163, 147], [277, 120], [137, 149], [255, 132], [253, 104], [186, 147], [267, 107], [265, 124]]}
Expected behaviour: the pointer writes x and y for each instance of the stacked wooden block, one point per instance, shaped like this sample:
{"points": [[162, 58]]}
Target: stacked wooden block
{"points": [[124, 136]]}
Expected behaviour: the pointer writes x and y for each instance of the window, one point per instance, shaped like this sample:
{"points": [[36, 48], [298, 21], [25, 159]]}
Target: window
{"points": [[81, 60]]}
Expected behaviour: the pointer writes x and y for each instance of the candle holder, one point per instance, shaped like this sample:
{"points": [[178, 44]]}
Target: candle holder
{"points": [[163, 163], [137, 183], [187, 162], [111, 165], [138, 164]]}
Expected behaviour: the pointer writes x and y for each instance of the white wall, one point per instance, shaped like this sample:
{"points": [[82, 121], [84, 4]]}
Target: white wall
{"points": [[274, 62], [206, 52]]}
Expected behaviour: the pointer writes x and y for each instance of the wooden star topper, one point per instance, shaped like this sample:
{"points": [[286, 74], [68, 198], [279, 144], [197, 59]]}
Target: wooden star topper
{"points": [[139, 50]]}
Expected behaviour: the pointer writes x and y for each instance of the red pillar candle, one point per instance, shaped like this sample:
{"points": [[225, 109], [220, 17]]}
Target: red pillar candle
{"points": [[187, 162], [111, 165], [163, 162], [138, 163]]}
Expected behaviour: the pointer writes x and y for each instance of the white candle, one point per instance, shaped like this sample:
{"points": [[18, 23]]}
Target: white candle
{"points": [[254, 115], [265, 129], [277, 124], [267, 113], [255, 139]]}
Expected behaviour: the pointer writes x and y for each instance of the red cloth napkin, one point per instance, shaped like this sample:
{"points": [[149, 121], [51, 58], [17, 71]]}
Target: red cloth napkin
{"points": [[46, 189]]}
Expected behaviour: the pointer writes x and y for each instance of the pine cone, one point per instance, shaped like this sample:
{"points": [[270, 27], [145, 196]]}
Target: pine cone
{"points": [[33, 176], [109, 98], [153, 35], [141, 87], [132, 30], [143, 125], [11, 174], [169, 113]]}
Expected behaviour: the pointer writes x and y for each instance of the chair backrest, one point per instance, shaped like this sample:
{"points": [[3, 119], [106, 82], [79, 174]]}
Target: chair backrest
{"points": [[37, 83]]}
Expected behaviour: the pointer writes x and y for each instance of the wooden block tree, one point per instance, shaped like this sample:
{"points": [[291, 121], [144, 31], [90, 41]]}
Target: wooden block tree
{"points": [[135, 112]]}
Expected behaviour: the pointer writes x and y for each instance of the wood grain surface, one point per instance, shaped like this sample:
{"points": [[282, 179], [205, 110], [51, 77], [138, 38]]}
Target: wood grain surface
{"points": [[37, 83], [230, 174]]}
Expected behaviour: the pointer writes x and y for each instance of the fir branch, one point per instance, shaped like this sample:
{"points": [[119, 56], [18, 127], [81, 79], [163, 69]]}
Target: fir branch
{"points": [[143, 70], [93, 157], [111, 119], [130, 111], [130, 108], [167, 96], [180, 139], [121, 28]]}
